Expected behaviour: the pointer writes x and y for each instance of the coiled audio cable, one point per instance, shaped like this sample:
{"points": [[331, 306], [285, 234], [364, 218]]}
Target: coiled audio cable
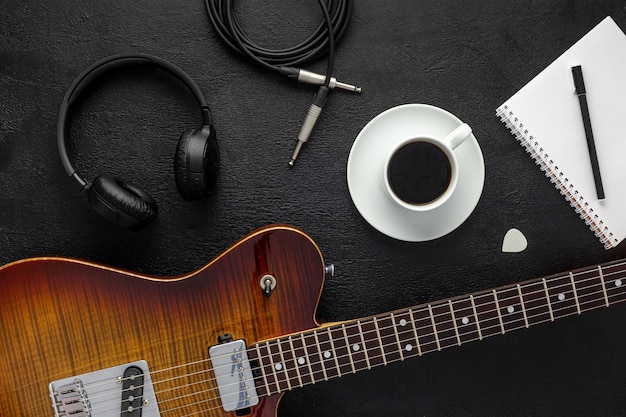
{"points": [[286, 61]]}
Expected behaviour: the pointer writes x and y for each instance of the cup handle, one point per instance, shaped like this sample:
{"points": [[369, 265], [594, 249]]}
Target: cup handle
{"points": [[458, 135]]}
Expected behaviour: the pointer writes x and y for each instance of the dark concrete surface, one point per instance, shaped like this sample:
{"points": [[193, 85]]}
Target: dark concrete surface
{"points": [[465, 57]]}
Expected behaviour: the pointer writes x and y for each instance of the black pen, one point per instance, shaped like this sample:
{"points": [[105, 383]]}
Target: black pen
{"points": [[579, 86]]}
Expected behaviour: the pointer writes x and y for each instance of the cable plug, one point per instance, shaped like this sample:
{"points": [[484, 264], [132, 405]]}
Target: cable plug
{"points": [[312, 114], [313, 78]]}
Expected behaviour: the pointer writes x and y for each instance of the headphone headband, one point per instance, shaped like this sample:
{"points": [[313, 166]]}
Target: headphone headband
{"points": [[88, 76]]}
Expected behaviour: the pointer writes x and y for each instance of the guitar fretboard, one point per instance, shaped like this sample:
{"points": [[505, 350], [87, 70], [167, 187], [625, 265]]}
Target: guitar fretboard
{"points": [[329, 352]]}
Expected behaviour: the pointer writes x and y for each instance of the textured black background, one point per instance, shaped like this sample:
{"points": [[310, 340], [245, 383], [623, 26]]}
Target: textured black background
{"points": [[466, 57]]}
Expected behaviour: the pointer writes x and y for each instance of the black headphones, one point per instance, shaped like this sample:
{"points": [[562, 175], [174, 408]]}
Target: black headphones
{"points": [[196, 163]]}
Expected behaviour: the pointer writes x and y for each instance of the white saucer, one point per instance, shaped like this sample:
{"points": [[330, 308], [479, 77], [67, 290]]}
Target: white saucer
{"points": [[366, 165]]}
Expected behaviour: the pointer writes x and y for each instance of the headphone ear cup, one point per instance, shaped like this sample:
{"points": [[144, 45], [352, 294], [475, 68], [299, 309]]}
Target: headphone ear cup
{"points": [[122, 203], [196, 163]]}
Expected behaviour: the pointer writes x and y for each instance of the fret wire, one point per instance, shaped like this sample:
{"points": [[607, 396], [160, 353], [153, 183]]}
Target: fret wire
{"points": [[269, 350], [345, 335], [435, 349], [389, 326], [528, 310], [480, 334], [555, 278], [616, 296], [395, 331], [530, 316], [606, 297], [417, 341], [282, 360], [433, 315], [259, 356], [521, 299], [524, 326], [432, 319], [367, 356], [593, 307], [295, 361], [545, 287], [456, 329], [606, 266], [319, 351], [563, 316], [380, 341], [568, 285], [332, 348], [495, 297], [519, 320], [516, 328], [413, 322], [574, 291], [308, 358]]}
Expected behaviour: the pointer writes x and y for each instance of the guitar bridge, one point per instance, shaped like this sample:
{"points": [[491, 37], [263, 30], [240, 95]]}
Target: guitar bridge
{"points": [[121, 390], [72, 400]]}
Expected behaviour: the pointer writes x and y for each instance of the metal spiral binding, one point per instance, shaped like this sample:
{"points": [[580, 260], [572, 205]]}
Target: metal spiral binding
{"points": [[561, 183]]}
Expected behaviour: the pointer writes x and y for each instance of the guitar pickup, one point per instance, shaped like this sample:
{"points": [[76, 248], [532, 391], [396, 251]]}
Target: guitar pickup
{"points": [[132, 392], [233, 374]]}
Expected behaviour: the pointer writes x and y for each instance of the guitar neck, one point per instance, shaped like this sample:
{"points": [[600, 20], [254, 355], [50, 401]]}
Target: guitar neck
{"points": [[339, 349]]}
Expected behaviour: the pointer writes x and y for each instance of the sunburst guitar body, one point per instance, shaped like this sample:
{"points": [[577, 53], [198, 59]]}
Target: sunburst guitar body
{"points": [[83, 340], [78, 339]]}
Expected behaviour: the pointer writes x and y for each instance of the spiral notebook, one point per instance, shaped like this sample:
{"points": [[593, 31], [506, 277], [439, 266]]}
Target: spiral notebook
{"points": [[545, 117]]}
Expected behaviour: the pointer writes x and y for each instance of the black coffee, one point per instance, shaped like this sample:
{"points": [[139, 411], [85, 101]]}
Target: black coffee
{"points": [[419, 172]]}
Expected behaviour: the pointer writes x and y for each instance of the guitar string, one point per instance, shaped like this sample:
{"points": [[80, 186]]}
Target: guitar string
{"points": [[373, 357], [448, 321], [461, 333], [478, 295], [567, 285], [339, 374], [502, 300], [434, 349]]}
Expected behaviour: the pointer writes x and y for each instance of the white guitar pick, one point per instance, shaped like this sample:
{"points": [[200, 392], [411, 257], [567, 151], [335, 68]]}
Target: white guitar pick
{"points": [[514, 241]]}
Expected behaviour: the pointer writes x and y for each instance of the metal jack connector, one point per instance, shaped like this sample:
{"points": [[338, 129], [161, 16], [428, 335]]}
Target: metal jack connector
{"points": [[308, 77], [312, 114]]}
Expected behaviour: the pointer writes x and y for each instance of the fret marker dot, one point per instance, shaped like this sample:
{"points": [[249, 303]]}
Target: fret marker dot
{"points": [[327, 354], [408, 347], [618, 282], [561, 297], [464, 320], [510, 309], [301, 361], [356, 347], [278, 366], [403, 322]]}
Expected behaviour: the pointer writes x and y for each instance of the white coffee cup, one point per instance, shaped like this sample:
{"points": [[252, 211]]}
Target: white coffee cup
{"points": [[422, 172]]}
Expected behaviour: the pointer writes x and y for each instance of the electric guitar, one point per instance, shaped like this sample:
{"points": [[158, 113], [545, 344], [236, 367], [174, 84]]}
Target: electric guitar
{"points": [[84, 340]]}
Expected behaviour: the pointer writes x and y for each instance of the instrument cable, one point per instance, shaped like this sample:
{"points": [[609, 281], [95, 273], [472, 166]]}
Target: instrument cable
{"points": [[286, 61]]}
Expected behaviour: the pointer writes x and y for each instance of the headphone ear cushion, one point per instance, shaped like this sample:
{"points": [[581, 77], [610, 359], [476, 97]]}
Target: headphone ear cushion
{"points": [[122, 203], [196, 163]]}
